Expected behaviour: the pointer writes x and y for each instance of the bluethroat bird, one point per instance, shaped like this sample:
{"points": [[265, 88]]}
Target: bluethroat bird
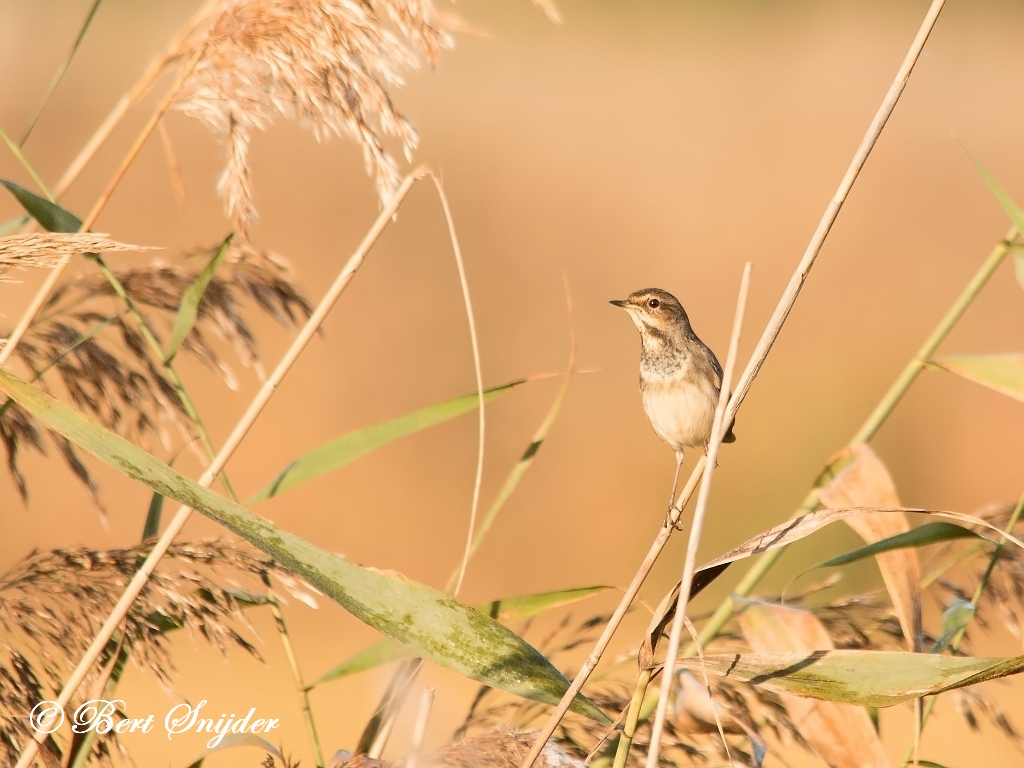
{"points": [[680, 378]]}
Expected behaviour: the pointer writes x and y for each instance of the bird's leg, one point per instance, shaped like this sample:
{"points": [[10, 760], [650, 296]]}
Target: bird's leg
{"points": [[673, 515]]}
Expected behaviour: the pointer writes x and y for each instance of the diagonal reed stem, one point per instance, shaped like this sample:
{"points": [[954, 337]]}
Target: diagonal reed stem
{"points": [[873, 423], [51, 279], [311, 327], [764, 346], [697, 526]]}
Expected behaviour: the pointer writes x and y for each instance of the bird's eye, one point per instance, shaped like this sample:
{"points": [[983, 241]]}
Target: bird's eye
{"points": [[653, 303]]}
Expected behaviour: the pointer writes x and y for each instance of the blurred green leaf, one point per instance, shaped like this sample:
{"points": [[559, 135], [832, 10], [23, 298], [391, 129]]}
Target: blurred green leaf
{"points": [[63, 69], [866, 678], [153, 514], [922, 536], [1015, 213], [528, 457], [51, 216], [188, 308], [514, 609], [343, 450], [957, 616], [435, 626], [1003, 373]]}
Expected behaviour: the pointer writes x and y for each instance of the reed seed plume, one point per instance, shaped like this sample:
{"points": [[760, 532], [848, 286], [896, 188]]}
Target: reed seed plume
{"points": [[49, 602], [87, 345], [330, 64], [46, 250]]}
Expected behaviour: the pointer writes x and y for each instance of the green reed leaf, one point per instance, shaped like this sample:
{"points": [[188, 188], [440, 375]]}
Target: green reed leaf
{"points": [[51, 216], [866, 678], [343, 450], [922, 536], [512, 609], [188, 308], [435, 626]]}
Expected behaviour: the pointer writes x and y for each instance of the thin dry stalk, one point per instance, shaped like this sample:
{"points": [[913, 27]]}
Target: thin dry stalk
{"points": [[697, 526], [616, 618], [51, 280], [796, 282], [764, 346], [419, 730], [478, 481], [293, 665], [311, 327], [127, 101], [692, 630]]}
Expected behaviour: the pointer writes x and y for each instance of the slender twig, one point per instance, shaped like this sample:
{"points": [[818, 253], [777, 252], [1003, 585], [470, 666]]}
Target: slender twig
{"points": [[692, 631], [241, 429], [20, 156], [478, 481], [620, 611], [874, 421], [697, 526], [771, 333], [419, 730], [129, 100], [51, 279], [293, 664]]}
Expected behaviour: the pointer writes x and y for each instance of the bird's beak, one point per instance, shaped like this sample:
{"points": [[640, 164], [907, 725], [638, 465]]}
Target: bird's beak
{"points": [[619, 303]]}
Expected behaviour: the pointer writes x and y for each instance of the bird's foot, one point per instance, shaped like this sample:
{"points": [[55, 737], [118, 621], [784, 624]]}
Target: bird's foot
{"points": [[673, 518]]}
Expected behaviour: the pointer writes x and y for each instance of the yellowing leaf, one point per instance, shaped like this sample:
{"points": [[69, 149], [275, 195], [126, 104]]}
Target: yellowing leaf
{"points": [[865, 482], [842, 734]]}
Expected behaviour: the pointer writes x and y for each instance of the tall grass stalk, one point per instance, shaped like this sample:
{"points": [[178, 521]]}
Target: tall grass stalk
{"points": [[769, 335], [241, 429], [481, 423], [697, 526], [293, 665], [873, 423]]}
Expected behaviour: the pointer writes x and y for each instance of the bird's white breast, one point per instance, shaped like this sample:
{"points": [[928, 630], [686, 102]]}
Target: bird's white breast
{"points": [[681, 408]]}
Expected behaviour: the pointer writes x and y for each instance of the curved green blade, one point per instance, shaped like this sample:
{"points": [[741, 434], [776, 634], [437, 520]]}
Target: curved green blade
{"points": [[435, 626], [343, 450], [922, 536], [867, 678], [188, 308]]}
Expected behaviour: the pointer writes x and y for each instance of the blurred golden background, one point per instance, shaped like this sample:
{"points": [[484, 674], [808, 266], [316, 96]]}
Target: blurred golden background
{"points": [[638, 144]]}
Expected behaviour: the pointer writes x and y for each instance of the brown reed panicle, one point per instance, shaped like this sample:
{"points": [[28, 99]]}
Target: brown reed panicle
{"points": [[86, 340], [328, 63], [50, 601], [690, 737], [46, 249]]}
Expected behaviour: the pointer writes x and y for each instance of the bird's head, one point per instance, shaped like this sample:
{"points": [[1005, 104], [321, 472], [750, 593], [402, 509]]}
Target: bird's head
{"points": [[654, 309]]}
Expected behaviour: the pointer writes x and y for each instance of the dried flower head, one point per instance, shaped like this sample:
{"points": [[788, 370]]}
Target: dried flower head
{"points": [[49, 603], [328, 63], [48, 249], [86, 343]]}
